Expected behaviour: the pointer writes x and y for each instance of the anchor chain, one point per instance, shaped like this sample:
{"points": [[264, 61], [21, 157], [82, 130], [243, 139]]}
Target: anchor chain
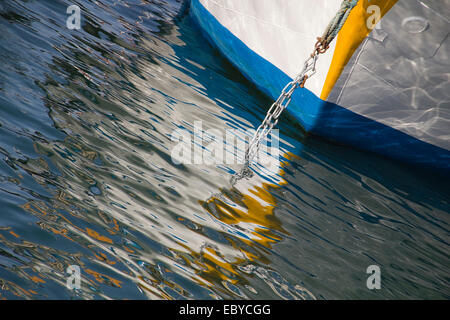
{"points": [[272, 117], [309, 69]]}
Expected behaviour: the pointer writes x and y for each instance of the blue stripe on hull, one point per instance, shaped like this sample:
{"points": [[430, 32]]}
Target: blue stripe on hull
{"points": [[315, 115]]}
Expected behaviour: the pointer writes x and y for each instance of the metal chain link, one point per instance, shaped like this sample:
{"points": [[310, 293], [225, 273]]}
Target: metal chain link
{"points": [[309, 69], [271, 119]]}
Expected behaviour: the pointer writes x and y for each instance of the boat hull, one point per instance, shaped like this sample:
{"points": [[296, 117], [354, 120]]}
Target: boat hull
{"points": [[341, 115]]}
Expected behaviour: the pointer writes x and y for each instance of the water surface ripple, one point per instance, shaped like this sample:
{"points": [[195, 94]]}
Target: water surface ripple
{"points": [[86, 176]]}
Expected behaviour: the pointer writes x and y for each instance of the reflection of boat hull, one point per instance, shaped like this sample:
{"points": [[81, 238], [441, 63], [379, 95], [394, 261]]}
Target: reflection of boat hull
{"points": [[384, 90]]}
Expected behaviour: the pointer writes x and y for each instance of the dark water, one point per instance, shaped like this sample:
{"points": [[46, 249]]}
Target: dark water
{"points": [[86, 176]]}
